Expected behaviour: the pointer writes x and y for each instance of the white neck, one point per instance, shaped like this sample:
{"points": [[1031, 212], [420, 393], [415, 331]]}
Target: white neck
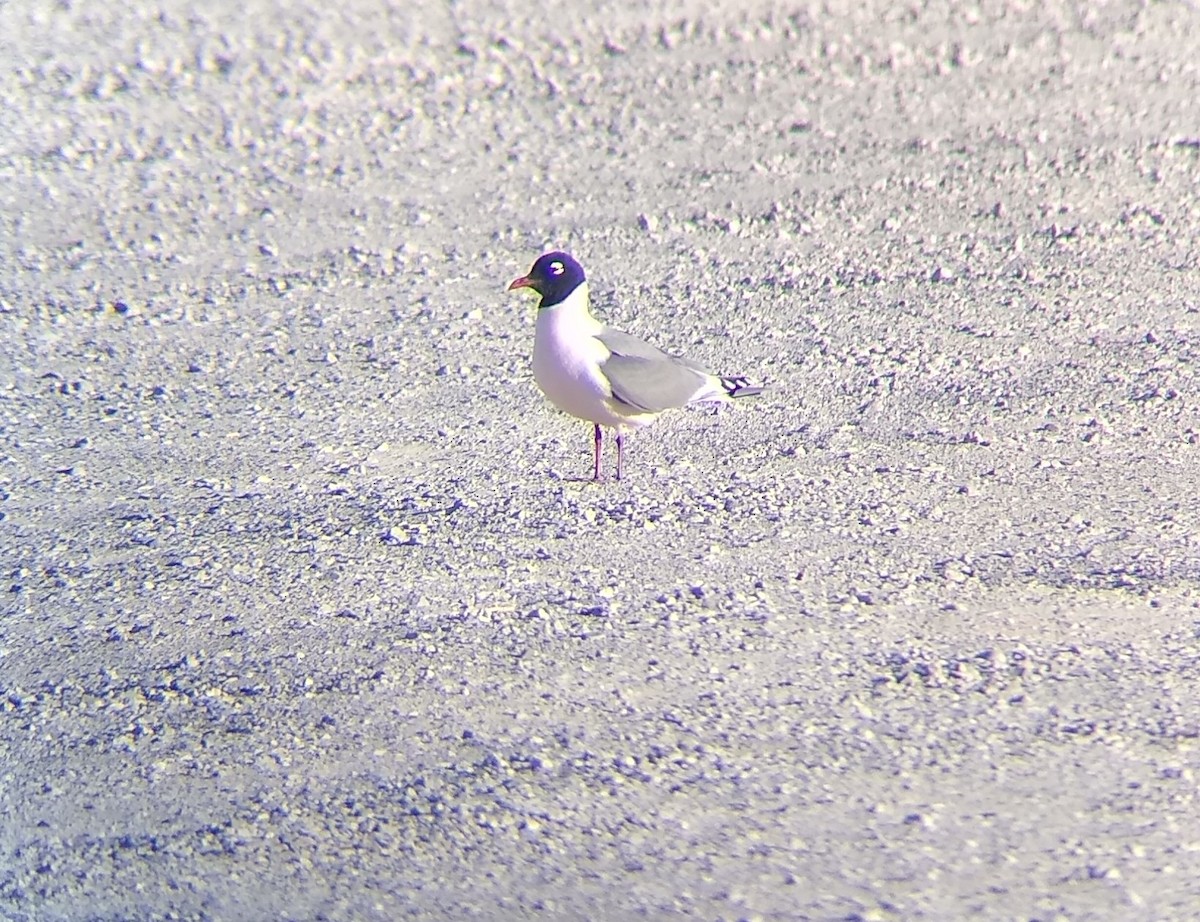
{"points": [[570, 316]]}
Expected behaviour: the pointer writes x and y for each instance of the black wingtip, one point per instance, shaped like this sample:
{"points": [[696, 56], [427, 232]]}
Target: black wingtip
{"points": [[740, 387]]}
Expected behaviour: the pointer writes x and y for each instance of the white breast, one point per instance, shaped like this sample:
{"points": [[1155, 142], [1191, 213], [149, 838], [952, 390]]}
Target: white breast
{"points": [[567, 357]]}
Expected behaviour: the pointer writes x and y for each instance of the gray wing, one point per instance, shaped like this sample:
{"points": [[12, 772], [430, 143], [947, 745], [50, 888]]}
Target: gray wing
{"points": [[645, 377]]}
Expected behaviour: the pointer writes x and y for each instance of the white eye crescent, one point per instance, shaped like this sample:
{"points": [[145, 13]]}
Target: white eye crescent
{"points": [[557, 268]]}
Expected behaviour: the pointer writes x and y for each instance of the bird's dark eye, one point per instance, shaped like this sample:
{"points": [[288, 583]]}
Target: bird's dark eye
{"points": [[556, 268]]}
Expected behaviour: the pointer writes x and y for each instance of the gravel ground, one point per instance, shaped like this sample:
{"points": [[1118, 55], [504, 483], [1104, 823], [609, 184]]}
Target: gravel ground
{"points": [[308, 614]]}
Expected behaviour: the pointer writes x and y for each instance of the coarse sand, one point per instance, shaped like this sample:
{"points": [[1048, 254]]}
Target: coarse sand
{"points": [[308, 613]]}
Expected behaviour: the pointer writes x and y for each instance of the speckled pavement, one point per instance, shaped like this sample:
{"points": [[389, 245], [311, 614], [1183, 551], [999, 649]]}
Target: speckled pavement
{"points": [[307, 613]]}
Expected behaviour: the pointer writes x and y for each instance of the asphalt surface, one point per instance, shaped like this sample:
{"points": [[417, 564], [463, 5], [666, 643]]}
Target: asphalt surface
{"points": [[309, 611]]}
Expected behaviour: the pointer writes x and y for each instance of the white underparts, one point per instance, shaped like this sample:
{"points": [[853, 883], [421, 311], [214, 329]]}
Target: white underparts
{"points": [[566, 364]]}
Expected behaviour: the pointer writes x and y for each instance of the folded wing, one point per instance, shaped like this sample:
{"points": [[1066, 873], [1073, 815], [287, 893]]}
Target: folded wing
{"points": [[648, 379]]}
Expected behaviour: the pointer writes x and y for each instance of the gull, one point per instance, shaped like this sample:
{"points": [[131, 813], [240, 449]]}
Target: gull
{"points": [[605, 376]]}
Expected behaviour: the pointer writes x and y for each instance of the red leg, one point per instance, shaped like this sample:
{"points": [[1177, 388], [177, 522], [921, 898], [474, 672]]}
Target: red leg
{"points": [[620, 453], [599, 444]]}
